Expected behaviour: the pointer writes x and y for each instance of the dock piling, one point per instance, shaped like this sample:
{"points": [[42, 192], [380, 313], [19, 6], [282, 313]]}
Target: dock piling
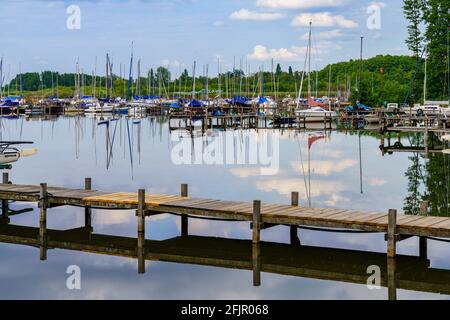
{"points": [[43, 204], [423, 246], [88, 210], [5, 203], [392, 226], [256, 221], [256, 262], [141, 230], [184, 217], [293, 229], [391, 279]]}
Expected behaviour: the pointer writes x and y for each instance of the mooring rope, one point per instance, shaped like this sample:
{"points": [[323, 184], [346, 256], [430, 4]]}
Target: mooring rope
{"points": [[335, 230], [438, 239]]}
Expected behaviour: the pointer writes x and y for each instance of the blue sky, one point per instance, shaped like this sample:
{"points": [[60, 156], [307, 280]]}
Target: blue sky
{"points": [[175, 32]]}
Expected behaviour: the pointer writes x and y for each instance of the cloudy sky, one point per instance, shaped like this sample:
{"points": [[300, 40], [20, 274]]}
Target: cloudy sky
{"points": [[35, 34]]}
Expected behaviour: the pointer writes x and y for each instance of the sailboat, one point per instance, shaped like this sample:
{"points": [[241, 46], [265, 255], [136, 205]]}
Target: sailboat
{"points": [[316, 111]]}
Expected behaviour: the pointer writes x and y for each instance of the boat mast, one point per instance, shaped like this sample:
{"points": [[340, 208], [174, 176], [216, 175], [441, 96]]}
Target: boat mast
{"points": [[309, 60], [1, 78], [360, 69], [193, 81], [130, 76], [425, 81], [107, 72]]}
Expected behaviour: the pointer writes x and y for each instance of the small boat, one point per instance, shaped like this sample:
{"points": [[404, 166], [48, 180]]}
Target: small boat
{"points": [[316, 114], [100, 108], [34, 110], [137, 111], [10, 154]]}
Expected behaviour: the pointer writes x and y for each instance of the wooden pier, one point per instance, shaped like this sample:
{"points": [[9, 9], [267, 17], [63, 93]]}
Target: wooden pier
{"points": [[261, 215]]}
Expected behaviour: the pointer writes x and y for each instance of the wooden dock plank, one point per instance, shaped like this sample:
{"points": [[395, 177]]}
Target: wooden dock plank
{"points": [[270, 212]]}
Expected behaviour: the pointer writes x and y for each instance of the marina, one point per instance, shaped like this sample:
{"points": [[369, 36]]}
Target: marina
{"points": [[197, 150]]}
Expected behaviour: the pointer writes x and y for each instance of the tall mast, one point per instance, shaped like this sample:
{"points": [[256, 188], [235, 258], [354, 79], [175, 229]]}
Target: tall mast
{"points": [[107, 72], [218, 76], [130, 77], [193, 82], [309, 60], [1, 77], [360, 69], [425, 81]]}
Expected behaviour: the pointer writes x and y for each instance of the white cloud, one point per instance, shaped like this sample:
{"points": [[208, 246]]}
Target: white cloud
{"points": [[331, 34], [294, 53], [245, 14], [299, 4], [322, 19], [171, 63], [261, 53]]}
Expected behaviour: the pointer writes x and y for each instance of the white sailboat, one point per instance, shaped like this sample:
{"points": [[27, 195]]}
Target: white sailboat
{"points": [[316, 111]]}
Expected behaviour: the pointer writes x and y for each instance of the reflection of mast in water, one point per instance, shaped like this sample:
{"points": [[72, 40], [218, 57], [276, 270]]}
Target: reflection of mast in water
{"points": [[138, 124], [360, 164], [78, 130], [130, 145], [311, 139]]}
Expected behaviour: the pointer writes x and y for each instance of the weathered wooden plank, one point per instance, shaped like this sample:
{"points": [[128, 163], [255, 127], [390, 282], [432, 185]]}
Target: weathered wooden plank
{"points": [[336, 214], [424, 222], [353, 216], [401, 220]]}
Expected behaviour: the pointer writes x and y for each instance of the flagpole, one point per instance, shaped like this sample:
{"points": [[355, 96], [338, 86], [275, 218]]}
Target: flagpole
{"points": [[360, 165], [309, 177]]}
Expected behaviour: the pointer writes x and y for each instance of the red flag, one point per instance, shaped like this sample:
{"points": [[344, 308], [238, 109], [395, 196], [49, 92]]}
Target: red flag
{"points": [[313, 138], [313, 103]]}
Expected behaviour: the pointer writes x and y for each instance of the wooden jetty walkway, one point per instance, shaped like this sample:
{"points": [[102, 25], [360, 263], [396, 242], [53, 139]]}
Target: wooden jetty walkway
{"points": [[261, 215], [350, 266]]}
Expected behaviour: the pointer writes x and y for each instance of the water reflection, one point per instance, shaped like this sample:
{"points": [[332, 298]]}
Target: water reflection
{"points": [[409, 272], [126, 158]]}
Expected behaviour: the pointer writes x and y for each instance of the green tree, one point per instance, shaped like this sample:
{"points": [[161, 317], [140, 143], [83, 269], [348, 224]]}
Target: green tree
{"points": [[436, 15], [414, 11], [278, 70]]}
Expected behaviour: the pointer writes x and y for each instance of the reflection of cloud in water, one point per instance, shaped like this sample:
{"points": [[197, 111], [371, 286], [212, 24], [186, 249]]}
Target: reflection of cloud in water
{"points": [[286, 186], [377, 182], [201, 227], [245, 172], [120, 217], [323, 167]]}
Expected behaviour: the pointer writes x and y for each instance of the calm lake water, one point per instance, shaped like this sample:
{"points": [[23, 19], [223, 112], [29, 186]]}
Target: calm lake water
{"points": [[126, 156]]}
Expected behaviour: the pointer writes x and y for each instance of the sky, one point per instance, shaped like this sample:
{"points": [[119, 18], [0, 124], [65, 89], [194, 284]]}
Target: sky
{"points": [[39, 35]]}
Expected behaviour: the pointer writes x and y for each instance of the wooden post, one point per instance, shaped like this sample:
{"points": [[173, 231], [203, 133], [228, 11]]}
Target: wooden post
{"points": [[43, 203], [256, 262], [392, 226], [87, 209], [423, 252], [256, 221], [5, 206], [141, 230], [293, 232], [184, 217], [391, 279], [425, 138]]}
